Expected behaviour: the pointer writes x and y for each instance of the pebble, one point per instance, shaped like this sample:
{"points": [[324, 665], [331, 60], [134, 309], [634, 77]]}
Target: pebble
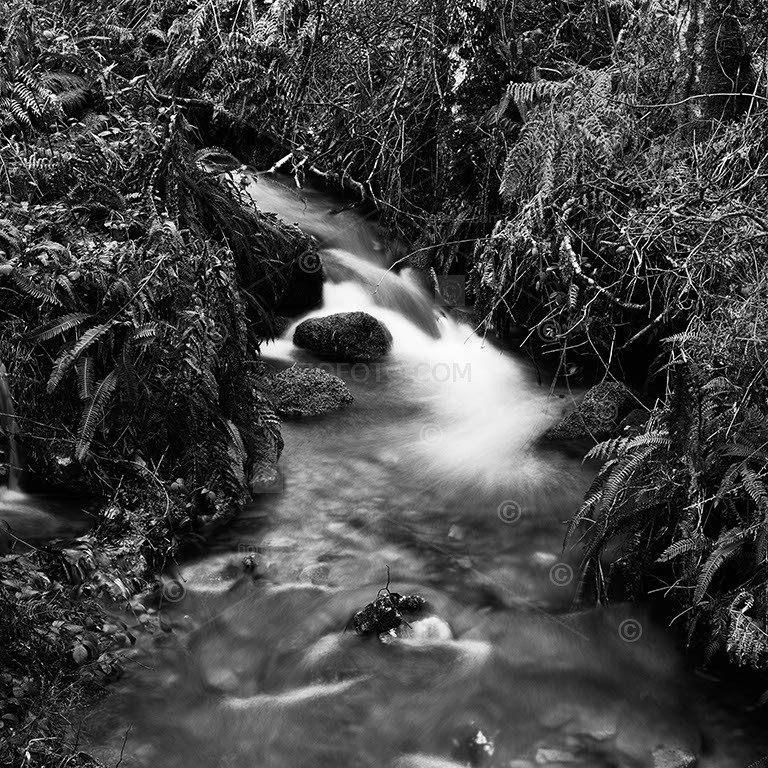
{"points": [[456, 532], [544, 558], [545, 756], [673, 757], [425, 761], [430, 629]]}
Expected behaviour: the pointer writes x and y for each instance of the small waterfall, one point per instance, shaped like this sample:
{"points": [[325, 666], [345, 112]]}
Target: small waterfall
{"points": [[10, 429], [385, 288], [479, 411]]}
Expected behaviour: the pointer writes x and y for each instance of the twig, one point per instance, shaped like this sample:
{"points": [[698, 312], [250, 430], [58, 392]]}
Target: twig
{"points": [[122, 748]]}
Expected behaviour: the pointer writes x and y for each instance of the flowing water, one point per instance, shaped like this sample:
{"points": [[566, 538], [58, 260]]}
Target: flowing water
{"points": [[30, 519], [434, 473], [9, 428]]}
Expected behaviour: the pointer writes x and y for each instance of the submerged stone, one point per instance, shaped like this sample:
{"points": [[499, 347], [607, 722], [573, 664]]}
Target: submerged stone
{"points": [[545, 756]]}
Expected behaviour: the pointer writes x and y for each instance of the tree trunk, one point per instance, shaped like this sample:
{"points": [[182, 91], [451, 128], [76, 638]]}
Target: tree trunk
{"points": [[714, 76]]}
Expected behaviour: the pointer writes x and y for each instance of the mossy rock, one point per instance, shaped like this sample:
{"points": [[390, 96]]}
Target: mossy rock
{"points": [[346, 336], [598, 415], [302, 392]]}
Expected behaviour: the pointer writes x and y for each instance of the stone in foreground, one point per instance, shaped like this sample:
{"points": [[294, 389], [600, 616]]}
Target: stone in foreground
{"points": [[346, 336], [673, 757], [302, 392]]}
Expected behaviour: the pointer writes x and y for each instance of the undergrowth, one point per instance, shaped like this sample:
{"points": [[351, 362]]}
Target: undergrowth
{"points": [[595, 169]]}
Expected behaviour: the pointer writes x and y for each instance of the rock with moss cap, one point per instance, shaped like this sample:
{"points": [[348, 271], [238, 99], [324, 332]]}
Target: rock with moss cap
{"points": [[301, 392], [346, 336], [598, 415]]}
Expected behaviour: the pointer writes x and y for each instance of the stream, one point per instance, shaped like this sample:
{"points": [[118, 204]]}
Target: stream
{"points": [[435, 475]]}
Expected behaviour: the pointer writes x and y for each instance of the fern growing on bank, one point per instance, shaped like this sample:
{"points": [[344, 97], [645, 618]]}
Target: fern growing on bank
{"points": [[686, 504]]}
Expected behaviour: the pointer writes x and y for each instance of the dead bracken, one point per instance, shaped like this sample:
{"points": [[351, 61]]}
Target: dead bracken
{"points": [[385, 613]]}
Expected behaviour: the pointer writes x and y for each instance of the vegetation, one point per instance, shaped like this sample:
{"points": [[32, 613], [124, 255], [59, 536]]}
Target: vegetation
{"points": [[135, 287], [596, 168]]}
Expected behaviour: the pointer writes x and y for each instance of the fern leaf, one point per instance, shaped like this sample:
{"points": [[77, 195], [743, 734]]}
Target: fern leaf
{"points": [[726, 547], [680, 548], [68, 358], [93, 413], [57, 327], [85, 367]]}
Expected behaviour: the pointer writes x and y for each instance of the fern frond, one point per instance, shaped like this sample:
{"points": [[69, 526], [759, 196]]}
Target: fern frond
{"points": [[85, 368], [728, 544], [680, 548], [93, 413], [69, 356], [59, 326]]}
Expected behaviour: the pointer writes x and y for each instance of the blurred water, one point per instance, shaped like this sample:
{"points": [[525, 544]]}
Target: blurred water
{"points": [[9, 429], [433, 473]]}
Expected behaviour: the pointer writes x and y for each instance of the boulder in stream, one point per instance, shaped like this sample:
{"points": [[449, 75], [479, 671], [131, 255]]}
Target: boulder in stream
{"points": [[302, 392], [346, 336], [598, 415]]}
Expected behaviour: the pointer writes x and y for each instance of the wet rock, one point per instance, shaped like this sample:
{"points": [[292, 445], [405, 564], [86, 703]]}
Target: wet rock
{"points": [[602, 728], [598, 415], [346, 336], [634, 422], [425, 761], [430, 629], [456, 532], [547, 756], [385, 613], [673, 757], [302, 392], [544, 558], [474, 748]]}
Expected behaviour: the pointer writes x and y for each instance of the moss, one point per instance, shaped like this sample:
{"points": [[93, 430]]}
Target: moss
{"points": [[300, 392]]}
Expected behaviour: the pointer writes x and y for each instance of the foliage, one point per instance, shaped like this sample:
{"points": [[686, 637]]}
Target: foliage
{"points": [[685, 503], [57, 649], [136, 285], [622, 205], [633, 216], [584, 163]]}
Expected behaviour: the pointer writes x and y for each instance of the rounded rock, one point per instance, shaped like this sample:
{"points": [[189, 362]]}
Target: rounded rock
{"points": [[302, 392], [346, 336]]}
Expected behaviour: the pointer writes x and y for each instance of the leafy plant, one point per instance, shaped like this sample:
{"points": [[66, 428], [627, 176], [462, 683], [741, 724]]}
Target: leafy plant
{"points": [[685, 503]]}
